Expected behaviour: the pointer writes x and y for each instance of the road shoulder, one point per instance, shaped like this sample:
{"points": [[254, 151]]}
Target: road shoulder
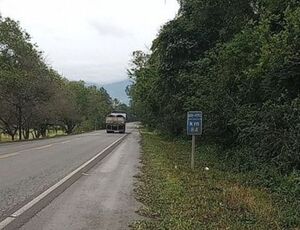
{"points": [[102, 199]]}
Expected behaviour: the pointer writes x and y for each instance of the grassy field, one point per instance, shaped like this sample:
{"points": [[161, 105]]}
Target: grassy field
{"points": [[51, 133], [175, 197]]}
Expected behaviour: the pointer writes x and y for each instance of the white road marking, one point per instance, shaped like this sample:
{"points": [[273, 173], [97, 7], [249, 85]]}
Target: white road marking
{"points": [[4, 156], [42, 196], [65, 142], [6, 222], [9, 155], [43, 147]]}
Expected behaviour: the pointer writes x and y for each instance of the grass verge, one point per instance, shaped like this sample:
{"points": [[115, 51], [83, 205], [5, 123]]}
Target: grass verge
{"points": [[174, 197], [50, 134]]}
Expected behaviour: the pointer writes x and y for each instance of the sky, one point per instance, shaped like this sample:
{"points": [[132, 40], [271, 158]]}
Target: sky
{"points": [[91, 40]]}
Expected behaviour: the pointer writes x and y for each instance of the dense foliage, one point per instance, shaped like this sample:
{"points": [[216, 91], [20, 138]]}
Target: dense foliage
{"points": [[34, 97], [237, 61]]}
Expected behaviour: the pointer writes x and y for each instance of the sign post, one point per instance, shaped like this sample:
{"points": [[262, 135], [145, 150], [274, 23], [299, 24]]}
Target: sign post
{"points": [[194, 128]]}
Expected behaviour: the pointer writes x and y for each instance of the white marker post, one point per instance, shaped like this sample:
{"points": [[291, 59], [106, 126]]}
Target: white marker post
{"points": [[194, 128]]}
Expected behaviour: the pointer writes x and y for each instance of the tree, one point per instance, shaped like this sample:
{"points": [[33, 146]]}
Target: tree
{"points": [[238, 62], [23, 83], [34, 97]]}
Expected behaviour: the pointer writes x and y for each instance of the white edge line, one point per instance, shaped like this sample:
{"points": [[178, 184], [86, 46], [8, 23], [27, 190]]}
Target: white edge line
{"points": [[12, 217], [6, 222]]}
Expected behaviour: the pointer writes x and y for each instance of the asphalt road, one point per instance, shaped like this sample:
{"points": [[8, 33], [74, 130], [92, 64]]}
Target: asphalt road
{"points": [[102, 199], [29, 168]]}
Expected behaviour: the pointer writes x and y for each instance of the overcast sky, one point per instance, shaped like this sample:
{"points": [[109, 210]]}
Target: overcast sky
{"points": [[91, 40]]}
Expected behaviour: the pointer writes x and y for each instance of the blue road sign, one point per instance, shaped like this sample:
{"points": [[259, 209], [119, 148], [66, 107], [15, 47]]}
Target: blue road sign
{"points": [[194, 123]]}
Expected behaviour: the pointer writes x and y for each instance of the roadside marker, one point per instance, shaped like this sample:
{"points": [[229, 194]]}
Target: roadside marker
{"points": [[194, 128]]}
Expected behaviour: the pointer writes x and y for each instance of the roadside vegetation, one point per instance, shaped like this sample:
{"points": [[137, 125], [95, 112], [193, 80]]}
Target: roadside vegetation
{"points": [[35, 99], [50, 133], [239, 63], [213, 196]]}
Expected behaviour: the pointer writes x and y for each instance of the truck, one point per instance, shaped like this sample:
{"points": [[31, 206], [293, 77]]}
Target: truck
{"points": [[116, 122]]}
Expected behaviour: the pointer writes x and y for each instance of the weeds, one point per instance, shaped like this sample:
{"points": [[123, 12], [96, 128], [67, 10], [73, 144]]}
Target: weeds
{"points": [[209, 197]]}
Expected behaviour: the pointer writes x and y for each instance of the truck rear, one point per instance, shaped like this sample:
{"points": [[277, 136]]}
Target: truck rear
{"points": [[116, 122]]}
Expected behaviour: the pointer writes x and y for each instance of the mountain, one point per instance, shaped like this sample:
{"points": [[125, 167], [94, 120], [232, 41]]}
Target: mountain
{"points": [[116, 90]]}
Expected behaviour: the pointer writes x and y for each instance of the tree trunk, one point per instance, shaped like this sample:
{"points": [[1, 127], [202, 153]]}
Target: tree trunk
{"points": [[20, 122], [70, 128], [37, 133], [26, 133], [32, 134], [43, 130]]}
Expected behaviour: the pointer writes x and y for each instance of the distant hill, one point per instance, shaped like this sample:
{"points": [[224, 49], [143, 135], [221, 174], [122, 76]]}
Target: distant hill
{"points": [[116, 90]]}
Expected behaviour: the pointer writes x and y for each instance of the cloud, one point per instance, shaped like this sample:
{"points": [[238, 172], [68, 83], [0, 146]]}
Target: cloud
{"points": [[108, 29], [90, 40]]}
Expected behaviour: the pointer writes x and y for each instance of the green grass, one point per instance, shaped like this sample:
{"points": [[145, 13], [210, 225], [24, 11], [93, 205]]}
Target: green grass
{"points": [[50, 134], [175, 197], [4, 137]]}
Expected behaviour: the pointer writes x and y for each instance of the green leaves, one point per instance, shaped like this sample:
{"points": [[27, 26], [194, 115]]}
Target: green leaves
{"points": [[238, 62], [34, 97]]}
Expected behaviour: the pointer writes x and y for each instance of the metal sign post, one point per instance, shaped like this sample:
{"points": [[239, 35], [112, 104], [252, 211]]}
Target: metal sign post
{"points": [[194, 128], [193, 152]]}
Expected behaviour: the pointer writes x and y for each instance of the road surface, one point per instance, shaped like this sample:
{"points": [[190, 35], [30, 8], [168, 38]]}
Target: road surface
{"points": [[29, 168], [102, 199]]}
